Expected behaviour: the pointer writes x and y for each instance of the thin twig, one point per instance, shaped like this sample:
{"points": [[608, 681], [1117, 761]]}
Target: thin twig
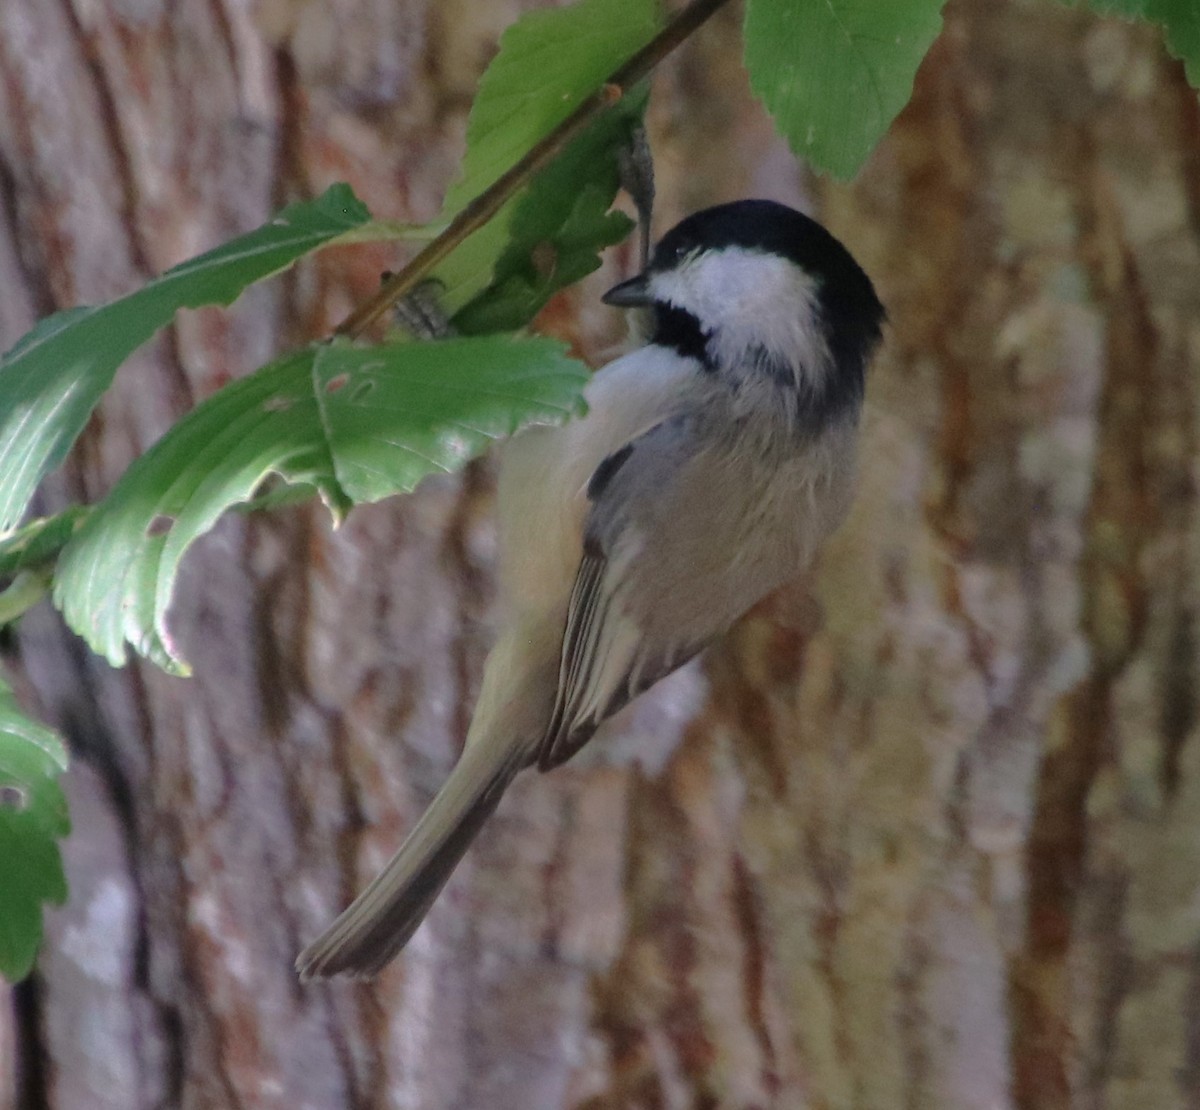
{"points": [[492, 199]]}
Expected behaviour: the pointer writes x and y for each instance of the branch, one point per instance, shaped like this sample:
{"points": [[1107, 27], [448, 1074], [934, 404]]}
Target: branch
{"points": [[491, 200]]}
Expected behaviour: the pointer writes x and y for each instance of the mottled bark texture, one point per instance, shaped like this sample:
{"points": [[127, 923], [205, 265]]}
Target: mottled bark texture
{"points": [[924, 833]]}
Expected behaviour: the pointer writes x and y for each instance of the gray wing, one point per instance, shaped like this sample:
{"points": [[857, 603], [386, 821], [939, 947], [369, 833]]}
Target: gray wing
{"points": [[689, 525], [607, 657]]}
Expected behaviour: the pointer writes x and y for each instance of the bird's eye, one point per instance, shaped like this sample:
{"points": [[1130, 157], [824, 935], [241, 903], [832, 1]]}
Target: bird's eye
{"points": [[670, 256]]}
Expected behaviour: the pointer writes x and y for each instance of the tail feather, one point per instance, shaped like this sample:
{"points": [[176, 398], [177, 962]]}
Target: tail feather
{"points": [[379, 922]]}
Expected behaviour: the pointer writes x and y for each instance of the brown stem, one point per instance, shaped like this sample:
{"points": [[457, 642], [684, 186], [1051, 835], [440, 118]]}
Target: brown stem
{"points": [[490, 201]]}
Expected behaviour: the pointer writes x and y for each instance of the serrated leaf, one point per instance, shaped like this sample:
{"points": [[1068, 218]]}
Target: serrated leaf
{"points": [[357, 424], [33, 818], [834, 73], [1180, 21], [53, 378], [548, 62]]}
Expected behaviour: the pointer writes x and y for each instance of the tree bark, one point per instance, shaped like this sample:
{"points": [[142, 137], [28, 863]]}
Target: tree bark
{"points": [[923, 832]]}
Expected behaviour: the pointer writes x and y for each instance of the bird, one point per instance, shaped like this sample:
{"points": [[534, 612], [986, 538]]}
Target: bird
{"points": [[712, 463]]}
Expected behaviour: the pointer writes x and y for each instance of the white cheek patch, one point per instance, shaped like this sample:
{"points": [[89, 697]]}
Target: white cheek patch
{"points": [[749, 299]]}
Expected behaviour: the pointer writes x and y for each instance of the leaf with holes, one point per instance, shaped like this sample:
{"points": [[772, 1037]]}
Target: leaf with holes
{"points": [[33, 818], [53, 378], [834, 74], [356, 424]]}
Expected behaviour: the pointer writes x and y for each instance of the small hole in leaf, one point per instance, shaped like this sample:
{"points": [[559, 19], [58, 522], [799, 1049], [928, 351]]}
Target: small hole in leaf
{"points": [[277, 404], [13, 797], [338, 381], [160, 525]]}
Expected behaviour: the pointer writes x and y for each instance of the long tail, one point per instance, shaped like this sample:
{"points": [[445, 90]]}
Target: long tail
{"points": [[379, 922]]}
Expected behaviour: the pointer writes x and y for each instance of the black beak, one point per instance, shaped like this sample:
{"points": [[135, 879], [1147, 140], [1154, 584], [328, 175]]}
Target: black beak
{"points": [[634, 293]]}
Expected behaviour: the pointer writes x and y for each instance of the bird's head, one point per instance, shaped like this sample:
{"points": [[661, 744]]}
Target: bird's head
{"points": [[755, 286]]}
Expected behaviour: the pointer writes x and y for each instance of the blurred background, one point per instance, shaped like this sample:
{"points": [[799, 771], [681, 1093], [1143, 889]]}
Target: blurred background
{"points": [[923, 833]]}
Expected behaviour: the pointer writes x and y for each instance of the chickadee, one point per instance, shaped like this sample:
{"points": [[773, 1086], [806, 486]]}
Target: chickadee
{"points": [[711, 465]]}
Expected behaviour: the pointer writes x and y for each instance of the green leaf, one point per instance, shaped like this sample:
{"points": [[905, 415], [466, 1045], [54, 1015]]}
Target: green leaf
{"points": [[558, 227], [39, 541], [1180, 21], [33, 818], [53, 378], [22, 594], [548, 63], [834, 73], [356, 424]]}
